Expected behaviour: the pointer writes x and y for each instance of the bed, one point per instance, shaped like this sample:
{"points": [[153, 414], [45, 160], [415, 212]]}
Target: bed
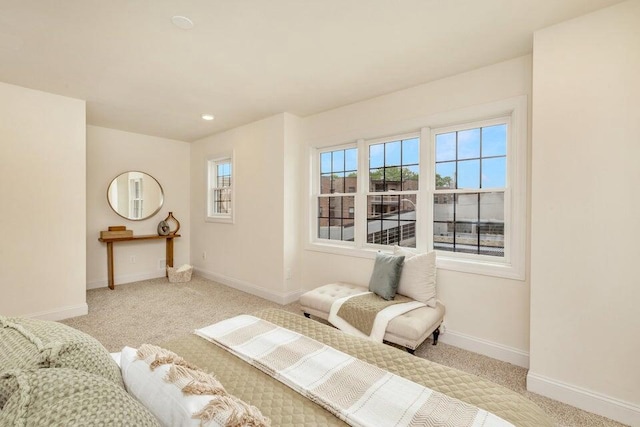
{"points": [[286, 407]]}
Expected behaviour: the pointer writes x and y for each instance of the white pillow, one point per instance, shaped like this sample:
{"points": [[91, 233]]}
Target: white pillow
{"points": [[170, 402], [164, 400], [418, 278]]}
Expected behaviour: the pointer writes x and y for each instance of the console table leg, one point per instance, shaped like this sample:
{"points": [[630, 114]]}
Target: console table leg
{"points": [[111, 240], [110, 264], [169, 254]]}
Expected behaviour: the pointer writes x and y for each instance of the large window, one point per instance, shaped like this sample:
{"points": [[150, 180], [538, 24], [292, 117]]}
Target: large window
{"points": [[220, 190], [336, 203], [459, 190], [470, 180], [394, 169]]}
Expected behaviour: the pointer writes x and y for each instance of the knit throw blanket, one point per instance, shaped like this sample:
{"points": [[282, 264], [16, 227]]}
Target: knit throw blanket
{"points": [[361, 310], [367, 315], [354, 391]]}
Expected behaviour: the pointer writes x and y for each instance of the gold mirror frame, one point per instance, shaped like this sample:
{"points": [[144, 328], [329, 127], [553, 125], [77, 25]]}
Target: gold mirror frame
{"points": [[135, 195]]}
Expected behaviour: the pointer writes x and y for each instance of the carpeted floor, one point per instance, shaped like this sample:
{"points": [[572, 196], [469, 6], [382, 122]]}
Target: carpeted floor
{"points": [[154, 311]]}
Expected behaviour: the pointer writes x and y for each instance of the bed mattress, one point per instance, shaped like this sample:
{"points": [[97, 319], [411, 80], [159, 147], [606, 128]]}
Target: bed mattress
{"points": [[286, 407]]}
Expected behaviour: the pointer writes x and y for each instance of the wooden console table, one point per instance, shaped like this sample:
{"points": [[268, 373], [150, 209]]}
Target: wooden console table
{"points": [[111, 240]]}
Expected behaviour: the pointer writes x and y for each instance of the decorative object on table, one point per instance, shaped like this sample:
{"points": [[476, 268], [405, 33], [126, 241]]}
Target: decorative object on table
{"points": [[116, 231], [170, 218], [163, 228], [181, 274]]}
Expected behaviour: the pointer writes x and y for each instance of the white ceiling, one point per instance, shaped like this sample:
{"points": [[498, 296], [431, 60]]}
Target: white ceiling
{"points": [[249, 59]]}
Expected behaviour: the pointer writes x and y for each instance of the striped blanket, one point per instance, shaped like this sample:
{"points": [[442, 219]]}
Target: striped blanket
{"points": [[354, 391]]}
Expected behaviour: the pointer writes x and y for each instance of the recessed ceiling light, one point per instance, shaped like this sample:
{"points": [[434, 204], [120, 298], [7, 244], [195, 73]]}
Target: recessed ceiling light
{"points": [[208, 117], [182, 22]]}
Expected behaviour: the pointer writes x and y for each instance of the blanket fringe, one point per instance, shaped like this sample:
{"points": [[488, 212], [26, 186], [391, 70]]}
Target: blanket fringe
{"points": [[156, 356], [194, 382], [239, 413], [148, 352]]}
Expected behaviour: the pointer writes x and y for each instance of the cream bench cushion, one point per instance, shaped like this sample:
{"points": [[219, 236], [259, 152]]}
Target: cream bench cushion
{"points": [[408, 330]]}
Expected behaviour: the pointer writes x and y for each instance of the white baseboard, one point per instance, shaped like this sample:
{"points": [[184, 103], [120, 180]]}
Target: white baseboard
{"points": [[597, 403], [281, 298], [120, 280], [61, 313], [488, 348]]}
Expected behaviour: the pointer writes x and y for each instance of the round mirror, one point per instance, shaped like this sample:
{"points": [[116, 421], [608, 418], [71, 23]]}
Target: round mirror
{"points": [[135, 195]]}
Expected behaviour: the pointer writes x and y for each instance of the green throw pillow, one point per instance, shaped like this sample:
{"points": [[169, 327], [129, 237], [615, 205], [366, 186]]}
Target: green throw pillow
{"points": [[386, 275], [68, 397], [34, 344]]}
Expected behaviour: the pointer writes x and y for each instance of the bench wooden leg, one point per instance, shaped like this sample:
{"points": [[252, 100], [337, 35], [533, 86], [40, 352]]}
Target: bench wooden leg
{"points": [[436, 334]]}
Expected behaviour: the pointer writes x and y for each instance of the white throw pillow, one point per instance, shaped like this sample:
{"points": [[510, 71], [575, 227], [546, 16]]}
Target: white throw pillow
{"points": [[418, 278], [168, 399], [162, 399]]}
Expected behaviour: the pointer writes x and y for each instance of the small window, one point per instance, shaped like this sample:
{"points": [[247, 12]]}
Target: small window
{"points": [[220, 190], [135, 197]]}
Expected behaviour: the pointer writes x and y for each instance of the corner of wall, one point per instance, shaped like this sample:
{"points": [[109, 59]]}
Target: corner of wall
{"points": [[619, 410]]}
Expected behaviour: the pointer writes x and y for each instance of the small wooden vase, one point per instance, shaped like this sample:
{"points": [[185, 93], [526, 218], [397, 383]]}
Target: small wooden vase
{"points": [[170, 218]]}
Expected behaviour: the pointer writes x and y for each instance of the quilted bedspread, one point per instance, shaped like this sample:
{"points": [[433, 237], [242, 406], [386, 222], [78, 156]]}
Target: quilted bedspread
{"points": [[286, 407]]}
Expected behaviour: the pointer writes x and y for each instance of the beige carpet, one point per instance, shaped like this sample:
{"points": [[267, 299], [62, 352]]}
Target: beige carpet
{"points": [[154, 311]]}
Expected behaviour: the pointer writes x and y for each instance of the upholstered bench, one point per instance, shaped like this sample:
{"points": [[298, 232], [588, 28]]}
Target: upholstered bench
{"points": [[408, 330]]}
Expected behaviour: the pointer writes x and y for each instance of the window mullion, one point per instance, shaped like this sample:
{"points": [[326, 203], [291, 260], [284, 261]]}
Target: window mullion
{"points": [[470, 190], [424, 201], [478, 221], [360, 216]]}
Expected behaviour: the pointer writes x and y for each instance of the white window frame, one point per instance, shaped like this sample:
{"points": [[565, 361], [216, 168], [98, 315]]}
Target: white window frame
{"points": [[211, 184], [512, 265], [135, 195], [367, 191], [316, 195]]}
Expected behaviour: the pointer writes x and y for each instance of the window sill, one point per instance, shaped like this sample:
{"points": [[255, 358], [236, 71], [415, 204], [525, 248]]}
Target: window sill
{"points": [[337, 249], [444, 260], [476, 266], [220, 219]]}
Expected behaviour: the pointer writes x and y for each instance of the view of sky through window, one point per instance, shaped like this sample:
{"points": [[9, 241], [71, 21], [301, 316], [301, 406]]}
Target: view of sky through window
{"points": [[473, 158]]}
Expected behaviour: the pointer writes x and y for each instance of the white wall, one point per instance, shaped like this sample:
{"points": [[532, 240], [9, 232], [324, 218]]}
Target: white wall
{"points": [[485, 314], [109, 153], [586, 206], [42, 188], [248, 254], [293, 203]]}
